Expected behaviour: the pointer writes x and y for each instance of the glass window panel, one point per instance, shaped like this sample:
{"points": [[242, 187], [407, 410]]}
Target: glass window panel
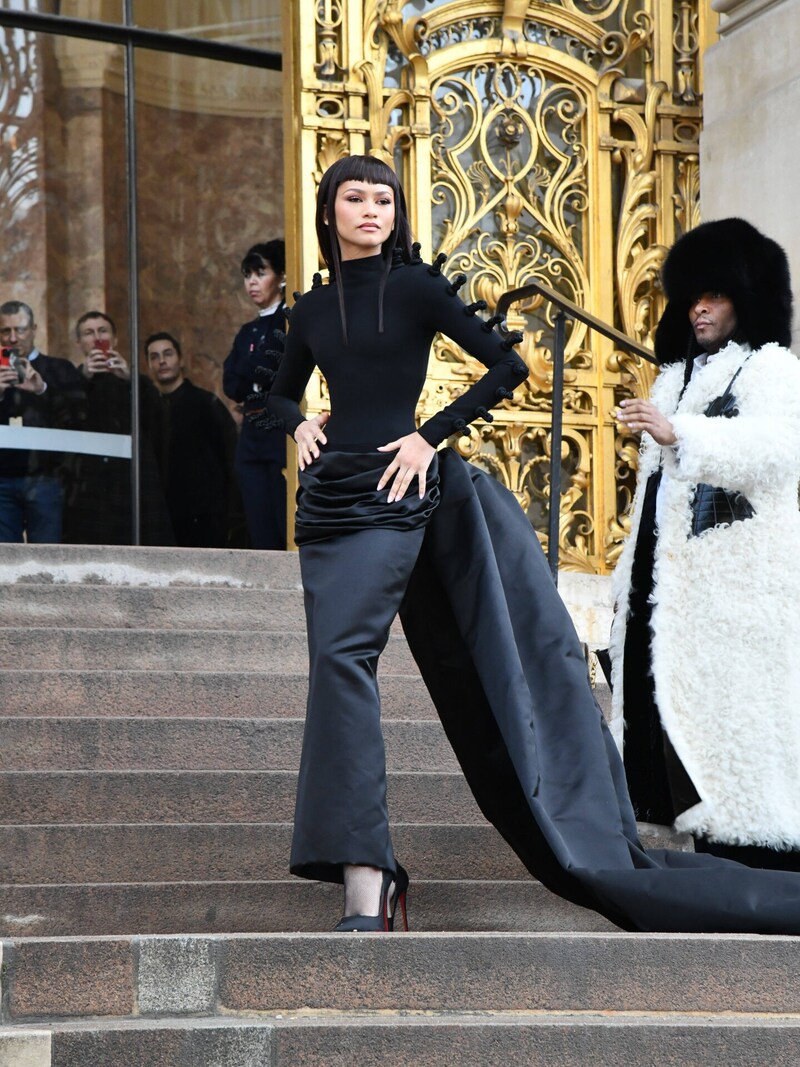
{"points": [[64, 449], [251, 23], [93, 10], [210, 185]]}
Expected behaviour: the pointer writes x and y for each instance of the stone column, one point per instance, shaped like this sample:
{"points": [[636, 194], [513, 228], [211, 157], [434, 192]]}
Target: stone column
{"points": [[750, 146]]}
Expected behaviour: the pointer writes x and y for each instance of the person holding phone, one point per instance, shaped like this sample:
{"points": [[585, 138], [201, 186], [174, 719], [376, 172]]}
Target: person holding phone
{"points": [[106, 479], [97, 339], [41, 391]]}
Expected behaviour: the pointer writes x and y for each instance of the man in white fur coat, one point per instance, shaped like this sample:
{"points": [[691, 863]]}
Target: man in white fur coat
{"points": [[705, 643]]}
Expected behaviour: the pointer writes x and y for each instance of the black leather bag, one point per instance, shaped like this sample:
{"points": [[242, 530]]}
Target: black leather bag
{"points": [[711, 505]]}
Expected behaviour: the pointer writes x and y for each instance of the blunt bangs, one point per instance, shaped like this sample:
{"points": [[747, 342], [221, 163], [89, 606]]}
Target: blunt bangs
{"points": [[370, 171]]}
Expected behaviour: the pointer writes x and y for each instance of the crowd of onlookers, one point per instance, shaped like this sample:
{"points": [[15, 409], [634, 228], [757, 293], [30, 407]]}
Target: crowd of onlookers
{"points": [[202, 482]]}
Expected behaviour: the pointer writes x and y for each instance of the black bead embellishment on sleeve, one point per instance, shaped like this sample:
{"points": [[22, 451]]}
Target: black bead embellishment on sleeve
{"points": [[280, 337], [490, 324], [436, 267], [266, 374], [511, 340], [503, 394], [456, 284], [296, 295], [471, 309], [483, 413], [460, 427]]}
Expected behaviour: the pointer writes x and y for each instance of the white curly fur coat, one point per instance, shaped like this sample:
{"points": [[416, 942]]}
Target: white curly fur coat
{"points": [[726, 616]]}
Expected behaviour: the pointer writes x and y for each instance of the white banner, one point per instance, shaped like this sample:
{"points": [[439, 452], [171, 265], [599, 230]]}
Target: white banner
{"points": [[41, 439]]}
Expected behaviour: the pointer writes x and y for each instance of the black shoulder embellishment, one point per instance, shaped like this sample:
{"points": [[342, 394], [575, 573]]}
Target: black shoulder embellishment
{"points": [[316, 281], [416, 258], [471, 309], [503, 394], [460, 426], [296, 295], [397, 257], [456, 284], [512, 339], [265, 375], [490, 324], [483, 413], [436, 266]]}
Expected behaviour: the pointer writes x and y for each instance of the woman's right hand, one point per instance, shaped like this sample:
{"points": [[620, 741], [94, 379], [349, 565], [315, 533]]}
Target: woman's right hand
{"points": [[307, 435]]}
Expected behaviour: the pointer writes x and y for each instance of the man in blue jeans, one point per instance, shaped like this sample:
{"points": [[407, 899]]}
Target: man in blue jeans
{"points": [[40, 391]]}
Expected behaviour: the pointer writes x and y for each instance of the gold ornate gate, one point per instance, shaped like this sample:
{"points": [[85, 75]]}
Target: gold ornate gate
{"points": [[554, 141]]}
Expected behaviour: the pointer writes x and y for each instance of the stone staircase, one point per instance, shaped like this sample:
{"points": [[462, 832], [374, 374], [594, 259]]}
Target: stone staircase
{"points": [[151, 707]]}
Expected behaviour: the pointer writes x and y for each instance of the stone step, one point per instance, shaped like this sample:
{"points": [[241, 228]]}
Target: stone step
{"points": [[25, 1047], [192, 797], [141, 607], [123, 565], [185, 650], [96, 743], [264, 907], [158, 693], [228, 852], [588, 596], [487, 1039], [417, 972]]}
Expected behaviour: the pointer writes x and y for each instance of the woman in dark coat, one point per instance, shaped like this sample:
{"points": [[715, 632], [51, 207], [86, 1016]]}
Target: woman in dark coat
{"points": [[261, 452]]}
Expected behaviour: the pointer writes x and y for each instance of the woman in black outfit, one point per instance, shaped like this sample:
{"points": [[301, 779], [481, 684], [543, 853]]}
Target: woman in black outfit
{"points": [[368, 485], [260, 452], [385, 523]]}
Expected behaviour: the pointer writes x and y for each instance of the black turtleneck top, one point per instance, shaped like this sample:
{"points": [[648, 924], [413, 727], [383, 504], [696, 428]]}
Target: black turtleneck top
{"points": [[375, 379]]}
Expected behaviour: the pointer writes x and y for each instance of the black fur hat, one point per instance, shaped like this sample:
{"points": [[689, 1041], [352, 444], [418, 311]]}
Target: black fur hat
{"points": [[733, 257]]}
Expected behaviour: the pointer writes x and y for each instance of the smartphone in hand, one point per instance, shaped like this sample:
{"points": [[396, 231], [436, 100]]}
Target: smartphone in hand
{"points": [[10, 357]]}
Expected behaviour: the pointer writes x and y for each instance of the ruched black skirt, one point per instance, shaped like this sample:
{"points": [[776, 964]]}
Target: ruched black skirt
{"points": [[357, 553]]}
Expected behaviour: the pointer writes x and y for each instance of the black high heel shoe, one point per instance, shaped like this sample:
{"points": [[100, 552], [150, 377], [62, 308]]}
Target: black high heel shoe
{"points": [[399, 897], [383, 922]]}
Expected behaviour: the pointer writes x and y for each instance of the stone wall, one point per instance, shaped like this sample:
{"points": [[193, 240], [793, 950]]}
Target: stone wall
{"points": [[750, 147]]}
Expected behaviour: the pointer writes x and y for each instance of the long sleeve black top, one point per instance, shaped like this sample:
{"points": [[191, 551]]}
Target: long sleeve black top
{"points": [[375, 379]]}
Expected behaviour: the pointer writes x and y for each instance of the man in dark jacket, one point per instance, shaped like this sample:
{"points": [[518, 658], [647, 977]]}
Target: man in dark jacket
{"points": [[201, 443], [35, 391], [99, 508]]}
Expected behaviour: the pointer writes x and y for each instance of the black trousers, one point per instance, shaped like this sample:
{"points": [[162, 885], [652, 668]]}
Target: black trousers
{"points": [[659, 786], [263, 489], [353, 584]]}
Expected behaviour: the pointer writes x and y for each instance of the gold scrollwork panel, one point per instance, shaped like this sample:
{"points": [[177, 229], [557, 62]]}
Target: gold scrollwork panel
{"points": [[552, 141]]}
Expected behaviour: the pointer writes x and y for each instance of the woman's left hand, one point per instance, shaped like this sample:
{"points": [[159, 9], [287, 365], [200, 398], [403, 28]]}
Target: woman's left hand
{"points": [[641, 415], [413, 458]]}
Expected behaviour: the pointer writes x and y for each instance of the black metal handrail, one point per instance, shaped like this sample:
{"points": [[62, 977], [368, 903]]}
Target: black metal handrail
{"points": [[138, 37], [566, 309]]}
